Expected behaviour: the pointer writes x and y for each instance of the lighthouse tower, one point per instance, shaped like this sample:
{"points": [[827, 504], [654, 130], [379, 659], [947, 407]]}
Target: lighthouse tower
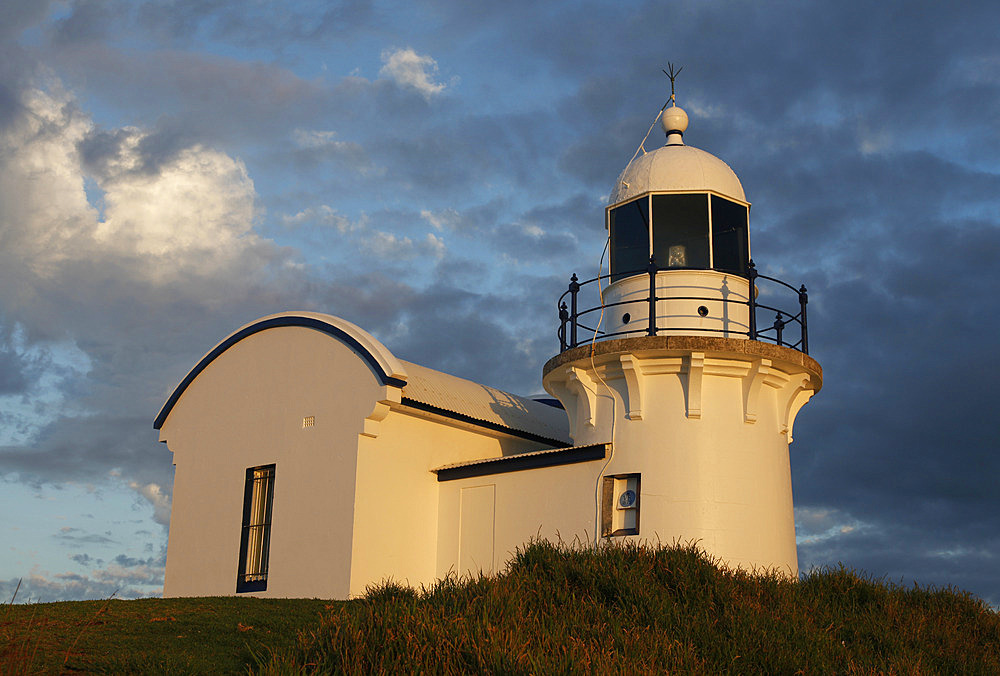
{"points": [[689, 362]]}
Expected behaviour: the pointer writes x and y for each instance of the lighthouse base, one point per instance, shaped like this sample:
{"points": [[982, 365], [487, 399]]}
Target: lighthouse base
{"points": [[703, 425]]}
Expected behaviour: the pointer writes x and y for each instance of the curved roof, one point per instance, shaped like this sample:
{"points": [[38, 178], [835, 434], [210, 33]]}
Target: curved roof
{"points": [[677, 168], [386, 366], [422, 387]]}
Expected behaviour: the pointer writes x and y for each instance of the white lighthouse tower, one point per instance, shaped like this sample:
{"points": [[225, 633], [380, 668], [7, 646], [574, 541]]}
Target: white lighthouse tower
{"points": [[689, 362]]}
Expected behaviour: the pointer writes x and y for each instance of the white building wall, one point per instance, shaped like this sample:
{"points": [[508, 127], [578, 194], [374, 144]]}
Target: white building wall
{"points": [[724, 297], [709, 433], [246, 409], [554, 503], [397, 504]]}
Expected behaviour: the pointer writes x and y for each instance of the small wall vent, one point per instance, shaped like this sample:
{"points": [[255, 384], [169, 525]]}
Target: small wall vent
{"points": [[309, 421]]}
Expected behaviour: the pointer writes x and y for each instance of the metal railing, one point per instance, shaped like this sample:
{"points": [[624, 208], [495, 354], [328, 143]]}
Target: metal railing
{"points": [[570, 316]]}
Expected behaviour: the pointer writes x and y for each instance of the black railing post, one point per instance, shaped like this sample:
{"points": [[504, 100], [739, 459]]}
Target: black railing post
{"points": [[574, 288], [563, 317], [779, 325], [803, 301], [753, 301], [652, 296]]}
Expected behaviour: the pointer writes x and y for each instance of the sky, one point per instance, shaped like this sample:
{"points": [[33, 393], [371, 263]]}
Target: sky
{"points": [[434, 172]]}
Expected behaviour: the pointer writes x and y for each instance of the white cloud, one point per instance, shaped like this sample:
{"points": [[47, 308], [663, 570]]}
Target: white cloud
{"points": [[198, 201], [434, 245], [44, 212], [388, 245], [160, 501], [448, 218], [315, 138], [201, 199], [135, 579], [814, 525], [409, 69], [324, 215]]}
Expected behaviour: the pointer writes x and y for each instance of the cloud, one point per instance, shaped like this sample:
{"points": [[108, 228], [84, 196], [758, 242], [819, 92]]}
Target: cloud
{"points": [[92, 232], [391, 247], [324, 215], [155, 495], [411, 70], [44, 213], [125, 577], [74, 537], [313, 147], [197, 202], [314, 138], [200, 201]]}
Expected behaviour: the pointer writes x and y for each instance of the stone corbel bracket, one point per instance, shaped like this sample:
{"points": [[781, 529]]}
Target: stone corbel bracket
{"points": [[796, 393], [584, 389], [389, 395], [634, 385], [695, 373]]}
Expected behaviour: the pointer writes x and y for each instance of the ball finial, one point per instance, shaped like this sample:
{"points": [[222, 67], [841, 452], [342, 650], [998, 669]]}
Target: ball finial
{"points": [[674, 121]]}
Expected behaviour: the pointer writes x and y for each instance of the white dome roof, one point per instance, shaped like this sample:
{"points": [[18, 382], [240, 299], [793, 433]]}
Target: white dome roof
{"points": [[677, 168]]}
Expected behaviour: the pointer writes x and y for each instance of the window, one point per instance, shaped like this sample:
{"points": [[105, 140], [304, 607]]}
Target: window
{"points": [[730, 241], [629, 239], [680, 231], [698, 231], [255, 541], [620, 505]]}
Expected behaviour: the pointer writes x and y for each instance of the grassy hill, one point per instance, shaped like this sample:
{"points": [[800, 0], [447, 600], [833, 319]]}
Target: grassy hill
{"points": [[554, 610]]}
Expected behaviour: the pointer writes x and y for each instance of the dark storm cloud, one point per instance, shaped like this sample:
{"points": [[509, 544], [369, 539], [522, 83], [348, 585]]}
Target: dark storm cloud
{"points": [[908, 555], [89, 20], [243, 24], [86, 449], [16, 15]]}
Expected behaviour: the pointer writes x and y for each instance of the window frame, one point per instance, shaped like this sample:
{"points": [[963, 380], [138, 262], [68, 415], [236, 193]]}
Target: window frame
{"points": [[256, 489], [710, 197]]}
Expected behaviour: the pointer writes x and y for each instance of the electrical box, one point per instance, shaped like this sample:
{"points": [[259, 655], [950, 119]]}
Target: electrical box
{"points": [[620, 505]]}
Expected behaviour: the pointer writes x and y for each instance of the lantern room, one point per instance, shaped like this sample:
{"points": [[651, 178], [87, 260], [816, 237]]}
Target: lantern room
{"points": [[680, 206], [678, 227]]}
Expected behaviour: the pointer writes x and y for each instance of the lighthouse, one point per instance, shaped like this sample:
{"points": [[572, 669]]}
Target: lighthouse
{"points": [[688, 362], [311, 461]]}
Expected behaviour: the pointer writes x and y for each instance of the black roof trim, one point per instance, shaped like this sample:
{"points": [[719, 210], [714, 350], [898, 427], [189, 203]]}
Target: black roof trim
{"points": [[273, 323], [517, 463], [454, 415]]}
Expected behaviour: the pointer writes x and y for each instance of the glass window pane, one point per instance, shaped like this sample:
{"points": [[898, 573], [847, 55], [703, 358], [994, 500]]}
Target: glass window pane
{"points": [[629, 238], [680, 231], [256, 538], [730, 236]]}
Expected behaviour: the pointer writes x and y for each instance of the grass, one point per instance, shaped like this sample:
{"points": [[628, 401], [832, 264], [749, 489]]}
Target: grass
{"points": [[217, 635], [554, 610]]}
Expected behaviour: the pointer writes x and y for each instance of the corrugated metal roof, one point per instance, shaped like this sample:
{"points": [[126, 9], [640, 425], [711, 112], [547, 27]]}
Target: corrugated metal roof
{"points": [[482, 402], [507, 458]]}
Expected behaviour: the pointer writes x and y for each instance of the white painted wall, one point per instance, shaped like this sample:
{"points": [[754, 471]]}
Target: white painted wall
{"points": [[554, 503], [709, 433], [246, 409], [729, 319], [397, 505]]}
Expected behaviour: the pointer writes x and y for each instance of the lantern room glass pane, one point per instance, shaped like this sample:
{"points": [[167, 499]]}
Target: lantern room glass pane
{"points": [[730, 236], [629, 238], [680, 231]]}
